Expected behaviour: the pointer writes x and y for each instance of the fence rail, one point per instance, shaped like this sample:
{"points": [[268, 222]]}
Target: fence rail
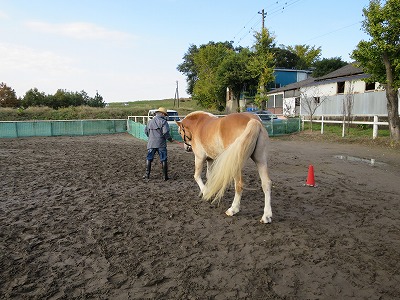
{"points": [[375, 124], [133, 125]]}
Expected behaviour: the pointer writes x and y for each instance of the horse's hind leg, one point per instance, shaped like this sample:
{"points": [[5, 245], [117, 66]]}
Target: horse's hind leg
{"points": [[235, 207], [266, 186], [198, 166], [209, 165]]}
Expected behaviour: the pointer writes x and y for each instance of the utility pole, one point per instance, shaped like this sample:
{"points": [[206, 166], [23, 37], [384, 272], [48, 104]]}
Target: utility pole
{"points": [[176, 94], [262, 87], [263, 15]]}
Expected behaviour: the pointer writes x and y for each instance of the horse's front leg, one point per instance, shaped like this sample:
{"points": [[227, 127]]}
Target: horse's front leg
{"points": [[235, 207], [198, 167]]}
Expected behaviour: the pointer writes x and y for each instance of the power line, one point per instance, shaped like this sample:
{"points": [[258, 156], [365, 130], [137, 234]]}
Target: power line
{"points": [[333, 31], [244, 27], [274, 9]]}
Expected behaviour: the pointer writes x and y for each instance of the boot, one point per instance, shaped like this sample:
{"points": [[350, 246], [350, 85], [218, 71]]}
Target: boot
{"points": [[148, 169], [165, 170]]}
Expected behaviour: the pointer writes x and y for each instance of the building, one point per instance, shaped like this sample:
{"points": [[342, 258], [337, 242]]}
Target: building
{"points": [[283, 77], [327, 95]]}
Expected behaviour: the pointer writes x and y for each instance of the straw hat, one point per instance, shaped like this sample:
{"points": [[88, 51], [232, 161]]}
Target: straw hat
{"points": [[162, 110]]}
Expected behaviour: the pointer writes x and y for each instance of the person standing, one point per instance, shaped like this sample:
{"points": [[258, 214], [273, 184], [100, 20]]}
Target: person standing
{"points": [[157, 130]]}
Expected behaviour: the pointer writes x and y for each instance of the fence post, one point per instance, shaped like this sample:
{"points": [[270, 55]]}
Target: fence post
{"points": [[272, 126], [322, 125], [344, 125], [82, 131], [375, 128], [16, 129], [299, 124]]}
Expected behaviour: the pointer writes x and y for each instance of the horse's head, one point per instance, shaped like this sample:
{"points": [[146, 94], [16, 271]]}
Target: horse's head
{"points": [[186, 136]]}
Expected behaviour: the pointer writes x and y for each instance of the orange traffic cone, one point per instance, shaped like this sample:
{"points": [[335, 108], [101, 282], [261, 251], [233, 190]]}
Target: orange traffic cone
{"points": [[310, 178]]}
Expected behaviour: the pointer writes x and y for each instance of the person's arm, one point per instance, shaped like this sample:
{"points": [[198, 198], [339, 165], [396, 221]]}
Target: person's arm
{"points": [[166, 132]]}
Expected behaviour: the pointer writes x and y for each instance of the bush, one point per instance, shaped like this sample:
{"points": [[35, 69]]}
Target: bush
{"points": [[69, 113]]}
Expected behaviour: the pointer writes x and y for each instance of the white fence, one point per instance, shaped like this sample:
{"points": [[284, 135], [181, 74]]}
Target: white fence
{"points": [[374, 124]]}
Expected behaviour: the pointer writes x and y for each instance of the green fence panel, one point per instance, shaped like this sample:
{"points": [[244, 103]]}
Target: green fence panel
{"points": [[293, 125], [60, 128], [67, 128], [27, 129], [120, 125], [8, 129], [94, 127], [173, 129], [137, 130], [282, 126]]}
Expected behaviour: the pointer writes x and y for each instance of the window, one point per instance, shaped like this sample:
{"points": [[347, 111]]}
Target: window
{"points": [[370, 86], [340, 87], [270, 102], [279, 100], [317, 100], [297, 101]]}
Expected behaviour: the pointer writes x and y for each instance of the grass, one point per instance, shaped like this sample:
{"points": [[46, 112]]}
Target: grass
{"points": [[354, 130], [356, 135], [113, 111]]}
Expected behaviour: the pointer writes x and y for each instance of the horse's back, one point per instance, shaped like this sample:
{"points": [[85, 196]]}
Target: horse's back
{"points": [[233, 126]]}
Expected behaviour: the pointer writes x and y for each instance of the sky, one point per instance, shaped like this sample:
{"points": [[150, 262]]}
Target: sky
{"points": [[128, 50]]}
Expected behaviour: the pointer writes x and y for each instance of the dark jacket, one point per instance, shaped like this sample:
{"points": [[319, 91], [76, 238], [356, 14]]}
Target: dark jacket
{"points": [[158, 132]]}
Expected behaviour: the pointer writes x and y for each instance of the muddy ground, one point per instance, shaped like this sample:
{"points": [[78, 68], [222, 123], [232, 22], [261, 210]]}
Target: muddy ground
{"points": [[78, 221]]}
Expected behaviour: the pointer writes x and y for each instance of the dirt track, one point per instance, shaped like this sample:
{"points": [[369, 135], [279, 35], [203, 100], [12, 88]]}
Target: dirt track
{"points": [[77, 221]]}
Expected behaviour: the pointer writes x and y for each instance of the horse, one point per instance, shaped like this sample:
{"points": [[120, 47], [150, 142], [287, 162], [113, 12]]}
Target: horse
{"points": [[225, 144]]}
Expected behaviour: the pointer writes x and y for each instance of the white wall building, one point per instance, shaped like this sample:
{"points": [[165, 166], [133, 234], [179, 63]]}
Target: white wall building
{"points": [[326, 95]]}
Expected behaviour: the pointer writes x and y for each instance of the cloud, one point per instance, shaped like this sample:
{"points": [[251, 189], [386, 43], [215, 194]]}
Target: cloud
{"points": [[79, 30], [3, 15], [20, 58]]}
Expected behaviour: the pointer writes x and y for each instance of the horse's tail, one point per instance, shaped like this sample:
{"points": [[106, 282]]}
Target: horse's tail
{"points": [[229, 164]]}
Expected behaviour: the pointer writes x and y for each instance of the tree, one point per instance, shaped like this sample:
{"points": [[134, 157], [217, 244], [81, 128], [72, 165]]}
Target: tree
{"points": [[284, 58], [347, 107], [8, 98], [34, 98], [311, 99], [380, 56], [208, 90], [188, 68], [234, 74], [97, 101], [262, 64], [327, 65], [308, 55], [63, 98]]}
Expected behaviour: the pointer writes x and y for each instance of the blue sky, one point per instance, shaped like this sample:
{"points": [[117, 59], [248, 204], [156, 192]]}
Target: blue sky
{"points": [[129, 50]]}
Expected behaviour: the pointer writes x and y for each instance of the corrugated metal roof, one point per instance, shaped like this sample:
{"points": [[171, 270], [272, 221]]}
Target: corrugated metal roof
{"points": [[347, 70]]}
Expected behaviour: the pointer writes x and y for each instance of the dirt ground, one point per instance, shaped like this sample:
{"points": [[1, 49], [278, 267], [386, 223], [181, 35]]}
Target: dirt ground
{"points": [[78, 221]]}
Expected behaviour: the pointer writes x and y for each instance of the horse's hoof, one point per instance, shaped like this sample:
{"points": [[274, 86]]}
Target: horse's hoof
{"points": [[230, 212], [266, 220]]}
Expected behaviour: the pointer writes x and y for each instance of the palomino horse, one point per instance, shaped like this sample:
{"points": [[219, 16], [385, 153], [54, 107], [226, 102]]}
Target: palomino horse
{"points": [[225, 144]]}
